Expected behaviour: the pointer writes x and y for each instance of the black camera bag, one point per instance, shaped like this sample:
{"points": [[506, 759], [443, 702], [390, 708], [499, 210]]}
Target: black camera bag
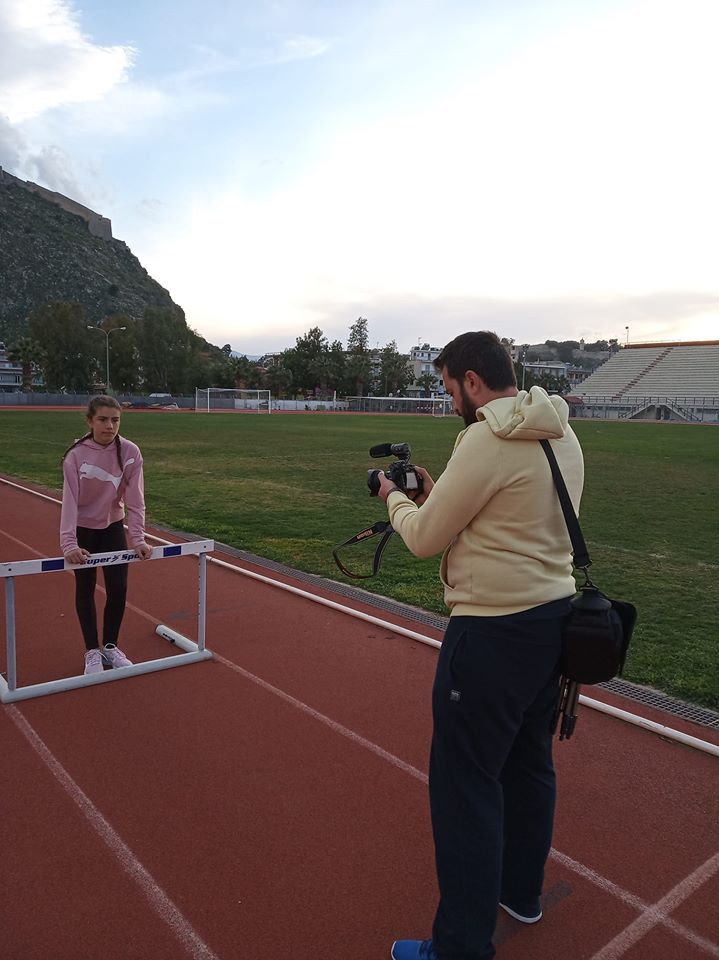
{"points": [[598, 629], [596, 636]]}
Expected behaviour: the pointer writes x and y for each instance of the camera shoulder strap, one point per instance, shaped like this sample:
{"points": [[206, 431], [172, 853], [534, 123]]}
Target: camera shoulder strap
{"points": [[579, 548], [382, 526]]}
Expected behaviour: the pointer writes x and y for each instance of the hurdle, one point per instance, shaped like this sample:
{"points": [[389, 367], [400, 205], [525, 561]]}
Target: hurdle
{"points": [[193, 652]]}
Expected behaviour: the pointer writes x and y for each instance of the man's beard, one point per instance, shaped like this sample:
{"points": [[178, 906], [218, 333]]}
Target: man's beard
{"points": [[468, 411]]}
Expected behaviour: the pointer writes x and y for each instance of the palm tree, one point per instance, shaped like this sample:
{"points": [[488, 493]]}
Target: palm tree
{"points": [[29, 354], [428, 382]]}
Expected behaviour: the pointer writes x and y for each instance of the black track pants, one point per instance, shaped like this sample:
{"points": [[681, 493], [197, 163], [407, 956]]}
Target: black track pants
{"points": [[491, 780], [101, 541]]}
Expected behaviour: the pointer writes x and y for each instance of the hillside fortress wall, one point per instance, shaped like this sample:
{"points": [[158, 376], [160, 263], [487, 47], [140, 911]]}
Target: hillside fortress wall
{"points": [[97, 225]]}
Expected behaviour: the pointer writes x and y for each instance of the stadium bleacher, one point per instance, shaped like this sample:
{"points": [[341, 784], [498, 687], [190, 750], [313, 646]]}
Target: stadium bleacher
{"points": [[670, 381]]}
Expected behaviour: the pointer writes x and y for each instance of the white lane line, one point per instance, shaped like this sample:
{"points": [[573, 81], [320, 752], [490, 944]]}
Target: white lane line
{"points": [[160, 902], [708, 946], [657, 912], [21, 543], [332, 724]]}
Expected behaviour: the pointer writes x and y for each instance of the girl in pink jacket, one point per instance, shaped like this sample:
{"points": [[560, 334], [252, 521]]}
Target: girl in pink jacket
{"points": [[102, 474]]}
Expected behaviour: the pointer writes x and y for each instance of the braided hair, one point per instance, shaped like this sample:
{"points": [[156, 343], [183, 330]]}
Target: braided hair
{"points": [[102, 400]]}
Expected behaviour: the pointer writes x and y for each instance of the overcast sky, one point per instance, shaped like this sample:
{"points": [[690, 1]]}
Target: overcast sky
{"points": [[546, 169]]}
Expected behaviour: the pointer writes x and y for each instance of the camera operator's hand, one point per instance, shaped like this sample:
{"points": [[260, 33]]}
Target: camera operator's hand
{"points": [[386, 486], [427, 484]]}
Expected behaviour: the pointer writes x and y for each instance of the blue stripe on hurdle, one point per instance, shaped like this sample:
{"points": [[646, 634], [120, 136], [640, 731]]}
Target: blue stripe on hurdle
{"points": [[172, 551], [53, 564]]}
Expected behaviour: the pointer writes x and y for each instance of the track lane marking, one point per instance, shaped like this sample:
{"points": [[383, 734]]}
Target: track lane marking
{"points": [[641, 906], [657, 912], [159, 901]]}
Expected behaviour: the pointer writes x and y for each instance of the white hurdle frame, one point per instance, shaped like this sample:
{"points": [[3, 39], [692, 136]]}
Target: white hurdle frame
{"points": [[9, 690]]}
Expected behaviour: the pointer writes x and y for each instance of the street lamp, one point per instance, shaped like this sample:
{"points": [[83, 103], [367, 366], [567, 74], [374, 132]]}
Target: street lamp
{"points": [[107, 350], [627, 329], [524, 361]]}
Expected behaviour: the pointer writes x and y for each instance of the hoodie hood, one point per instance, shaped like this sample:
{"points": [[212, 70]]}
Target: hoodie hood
{"points": [[532, 415]]}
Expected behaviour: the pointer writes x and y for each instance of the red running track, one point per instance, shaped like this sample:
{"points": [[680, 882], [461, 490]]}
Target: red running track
{"points": [[271, 804]]}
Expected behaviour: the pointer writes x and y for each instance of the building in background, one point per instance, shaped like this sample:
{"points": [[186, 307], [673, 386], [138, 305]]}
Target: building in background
{"points": [[10, 373]]}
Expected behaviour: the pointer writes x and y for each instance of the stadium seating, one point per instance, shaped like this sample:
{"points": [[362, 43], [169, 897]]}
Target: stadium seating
{"points": [[657, 370]]}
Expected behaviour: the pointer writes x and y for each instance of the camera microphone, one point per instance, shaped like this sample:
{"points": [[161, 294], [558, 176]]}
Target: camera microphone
{"points": [[381, 450], [390, 450]]}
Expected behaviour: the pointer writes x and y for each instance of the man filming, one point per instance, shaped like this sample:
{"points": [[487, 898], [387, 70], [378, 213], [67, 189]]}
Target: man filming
{"points": [[507, 575]]}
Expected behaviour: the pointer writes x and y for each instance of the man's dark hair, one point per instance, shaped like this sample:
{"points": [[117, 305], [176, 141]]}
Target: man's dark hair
{"points": [[483, 352]]}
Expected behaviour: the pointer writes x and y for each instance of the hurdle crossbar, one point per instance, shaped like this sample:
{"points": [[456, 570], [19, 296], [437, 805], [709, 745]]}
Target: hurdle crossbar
{"points": [[193, 652]]}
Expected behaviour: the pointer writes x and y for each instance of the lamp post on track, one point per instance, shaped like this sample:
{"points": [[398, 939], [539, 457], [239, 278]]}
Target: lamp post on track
{"points": [[107, 350]]}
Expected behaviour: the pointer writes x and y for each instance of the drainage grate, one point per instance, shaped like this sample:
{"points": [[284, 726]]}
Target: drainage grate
{"points": [[661, 701], [632, 691]]}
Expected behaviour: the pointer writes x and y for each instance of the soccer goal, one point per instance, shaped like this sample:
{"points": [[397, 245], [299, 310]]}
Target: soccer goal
{"points": [[442, 406], [218, 399]]}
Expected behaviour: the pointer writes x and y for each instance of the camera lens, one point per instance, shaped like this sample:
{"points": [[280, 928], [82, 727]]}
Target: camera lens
{"points": [[373, 482]]}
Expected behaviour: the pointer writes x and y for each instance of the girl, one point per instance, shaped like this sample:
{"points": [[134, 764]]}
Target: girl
{"points": [[100, 471]]}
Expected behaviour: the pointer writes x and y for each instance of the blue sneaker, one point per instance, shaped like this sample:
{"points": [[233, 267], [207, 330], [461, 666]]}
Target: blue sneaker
{"points": [[527, 913], [413, 950]]}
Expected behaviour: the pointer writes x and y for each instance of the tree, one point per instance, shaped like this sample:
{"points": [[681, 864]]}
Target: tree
{"points": [[277, 379], [428, 383], [244, 372], [124, 355], [359, 363], [336, 365], [553, 384], [308, 361], [68, 359], [166, 350], [565, 350], [395, 372], [29, 354]]}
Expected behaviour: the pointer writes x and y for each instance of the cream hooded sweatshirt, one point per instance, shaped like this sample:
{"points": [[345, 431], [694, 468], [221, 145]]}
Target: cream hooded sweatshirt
{"points": [[495, 512]]}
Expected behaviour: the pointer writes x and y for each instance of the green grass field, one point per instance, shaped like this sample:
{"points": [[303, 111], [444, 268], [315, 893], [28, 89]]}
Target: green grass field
{"points": [[290, 487]]}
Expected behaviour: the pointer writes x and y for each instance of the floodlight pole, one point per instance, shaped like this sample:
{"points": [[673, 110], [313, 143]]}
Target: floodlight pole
{"points": [[107, 350]]}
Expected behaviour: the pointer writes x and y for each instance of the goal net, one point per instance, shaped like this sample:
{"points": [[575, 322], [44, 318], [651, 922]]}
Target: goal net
{"points": [[218, 399]]}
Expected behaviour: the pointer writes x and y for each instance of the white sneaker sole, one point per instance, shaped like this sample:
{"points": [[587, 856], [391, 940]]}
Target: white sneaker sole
{"points": [[518, 916]]}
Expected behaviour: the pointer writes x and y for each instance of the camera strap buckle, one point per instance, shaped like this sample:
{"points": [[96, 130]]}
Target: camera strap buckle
{"points": [[383, 527]]}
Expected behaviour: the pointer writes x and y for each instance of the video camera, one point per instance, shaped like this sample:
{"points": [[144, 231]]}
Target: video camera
{"points": [[402, 473]]}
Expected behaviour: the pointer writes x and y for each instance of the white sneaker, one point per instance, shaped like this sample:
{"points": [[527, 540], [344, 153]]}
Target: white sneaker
{"points": [[93, 662], [531, 915], [115, 657]]}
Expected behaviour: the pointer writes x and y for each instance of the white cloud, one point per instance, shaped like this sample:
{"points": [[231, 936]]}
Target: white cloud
{"points": [[53, 167], [581, 173], [12, 146], [46, 61], [299, 47]]}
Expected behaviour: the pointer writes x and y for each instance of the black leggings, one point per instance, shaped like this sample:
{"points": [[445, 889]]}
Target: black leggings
{"points": [[101, 541]]}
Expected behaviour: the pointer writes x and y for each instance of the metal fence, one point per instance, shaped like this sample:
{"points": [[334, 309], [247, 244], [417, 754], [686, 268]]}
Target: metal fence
{"points": [[81, 400]]}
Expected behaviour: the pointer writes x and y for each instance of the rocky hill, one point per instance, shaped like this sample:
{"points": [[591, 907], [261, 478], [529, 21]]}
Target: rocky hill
{"points": [[48, 253]]}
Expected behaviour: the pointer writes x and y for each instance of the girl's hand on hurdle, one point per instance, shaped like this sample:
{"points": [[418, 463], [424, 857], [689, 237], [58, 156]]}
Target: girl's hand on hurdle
{"points": [[143, 550], [78, 555]]}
